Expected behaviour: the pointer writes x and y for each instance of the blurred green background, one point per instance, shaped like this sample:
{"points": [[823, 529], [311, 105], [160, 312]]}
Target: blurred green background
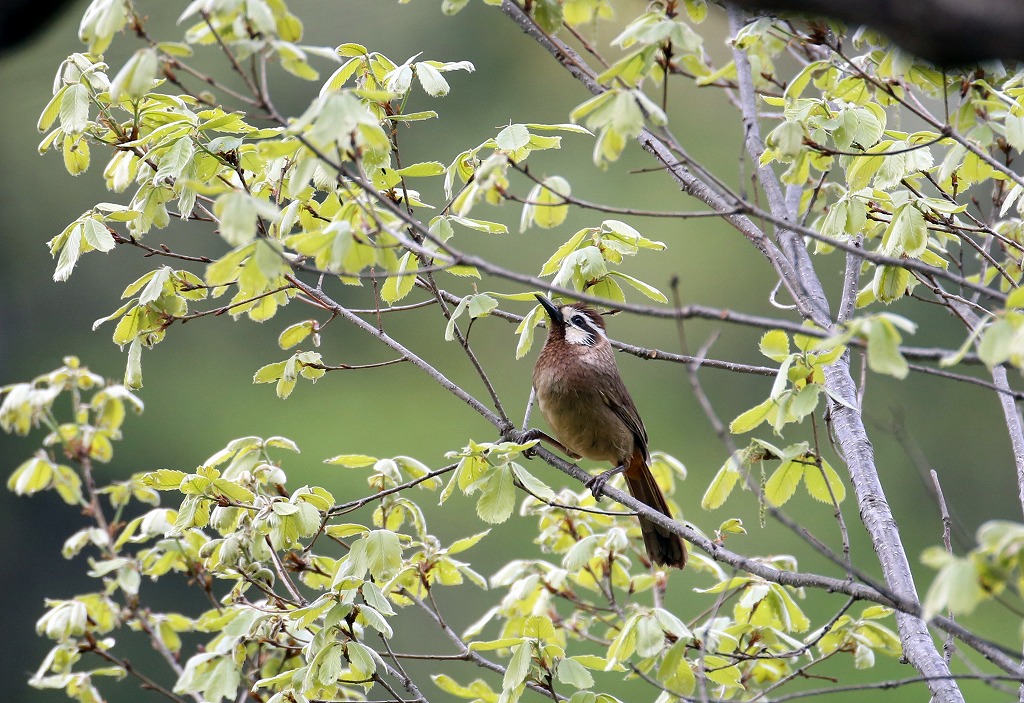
{"points": [[198, 387]]}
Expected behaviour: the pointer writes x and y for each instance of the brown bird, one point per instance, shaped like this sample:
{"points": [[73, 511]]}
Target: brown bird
{"points": [[584, 400]]}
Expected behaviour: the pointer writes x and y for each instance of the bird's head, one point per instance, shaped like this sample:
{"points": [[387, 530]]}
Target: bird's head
{"points": [[576, 323]]}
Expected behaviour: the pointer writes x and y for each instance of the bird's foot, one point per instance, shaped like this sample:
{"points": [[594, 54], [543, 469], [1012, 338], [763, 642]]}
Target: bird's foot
{"points": [[596, 483], [529, 436]]}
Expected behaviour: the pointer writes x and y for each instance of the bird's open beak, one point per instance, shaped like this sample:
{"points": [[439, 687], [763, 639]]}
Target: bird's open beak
{"points": [[553, 312]]}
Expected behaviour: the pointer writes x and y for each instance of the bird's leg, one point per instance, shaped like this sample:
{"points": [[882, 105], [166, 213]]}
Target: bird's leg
{"points": [[531, 435], [596, 483]]}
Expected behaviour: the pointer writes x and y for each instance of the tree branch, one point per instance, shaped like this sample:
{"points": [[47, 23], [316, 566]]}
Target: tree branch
{"points": [[931, 29]]}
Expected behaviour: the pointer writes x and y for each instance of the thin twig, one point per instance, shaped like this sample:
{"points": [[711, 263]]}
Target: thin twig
{"points": [[949, 646]]}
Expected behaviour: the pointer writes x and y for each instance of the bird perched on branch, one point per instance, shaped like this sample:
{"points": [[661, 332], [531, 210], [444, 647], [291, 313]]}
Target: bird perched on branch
{"points": [[584, 400]]}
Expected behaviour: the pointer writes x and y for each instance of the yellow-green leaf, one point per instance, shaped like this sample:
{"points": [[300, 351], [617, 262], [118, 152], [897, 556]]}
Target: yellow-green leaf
{"points": [[782, 484], [750, 419], [819, 481]]}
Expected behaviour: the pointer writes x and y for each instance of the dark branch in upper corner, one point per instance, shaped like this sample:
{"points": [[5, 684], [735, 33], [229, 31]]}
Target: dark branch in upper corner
{"points": [[946, 33]]}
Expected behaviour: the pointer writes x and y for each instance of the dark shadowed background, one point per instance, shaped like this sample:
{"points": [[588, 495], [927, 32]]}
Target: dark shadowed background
{"points": [[198, 389]]}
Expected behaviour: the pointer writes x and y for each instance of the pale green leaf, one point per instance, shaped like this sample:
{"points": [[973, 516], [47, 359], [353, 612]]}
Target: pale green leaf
{"points": [[518, 666], [74, 109], [675, 670], [722, 671], [341, 531], [136, 78], [775, 345], [890, 283], [69, 254], [294, 334], [783, 482], [497, 497], [553, 263], [174, 160], [572, 673], [732, 526], [883, 349], [31, 476], [383, 554], [750, 419], [500, 643], [431, 80], [526, 330], [1015, 131], [97, 235], [645, 288], [997, 343], [237, 213], [513, 137], [819, 481], [52, 110], [956, 587], [461, 545], [722, 484], [154, 287], [269, 373], [164, 479], [426, 168], [531, 484], [133, 370], [397, 287], [352, 460]]}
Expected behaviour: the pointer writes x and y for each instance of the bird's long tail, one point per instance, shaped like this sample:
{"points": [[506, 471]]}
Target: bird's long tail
{"points": [[663, 547]]}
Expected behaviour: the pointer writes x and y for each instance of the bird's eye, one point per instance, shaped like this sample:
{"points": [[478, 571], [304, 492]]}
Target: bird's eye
{"points": [[577, 320]]}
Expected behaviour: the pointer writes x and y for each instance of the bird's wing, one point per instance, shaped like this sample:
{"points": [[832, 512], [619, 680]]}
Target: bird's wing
{"points": [[618, 399]]}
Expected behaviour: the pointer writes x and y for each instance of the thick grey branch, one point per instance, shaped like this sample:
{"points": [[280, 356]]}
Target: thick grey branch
{"points": [[809, 297], [880, 524], [848, 423]]}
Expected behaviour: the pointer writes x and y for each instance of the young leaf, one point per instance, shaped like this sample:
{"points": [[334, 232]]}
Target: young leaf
{"points": [[722, 484], [69, 253], [449, 330], [133, 370], [136, 77], [783, 482], [572, 673], [675, 670], [294, 334], [74, 109], [461, 545], [645, 288], [526, 330], [518, 666], [775, 345], [819, 481], [31, 476], [533, 485], [884, 348], [497, 497], [553, 263], [383, 554], [746, 421], [956, 587]]}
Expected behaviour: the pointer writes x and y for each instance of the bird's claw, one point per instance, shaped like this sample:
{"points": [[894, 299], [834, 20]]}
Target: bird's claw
{"points": [[529, 436], [596, 484]]}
